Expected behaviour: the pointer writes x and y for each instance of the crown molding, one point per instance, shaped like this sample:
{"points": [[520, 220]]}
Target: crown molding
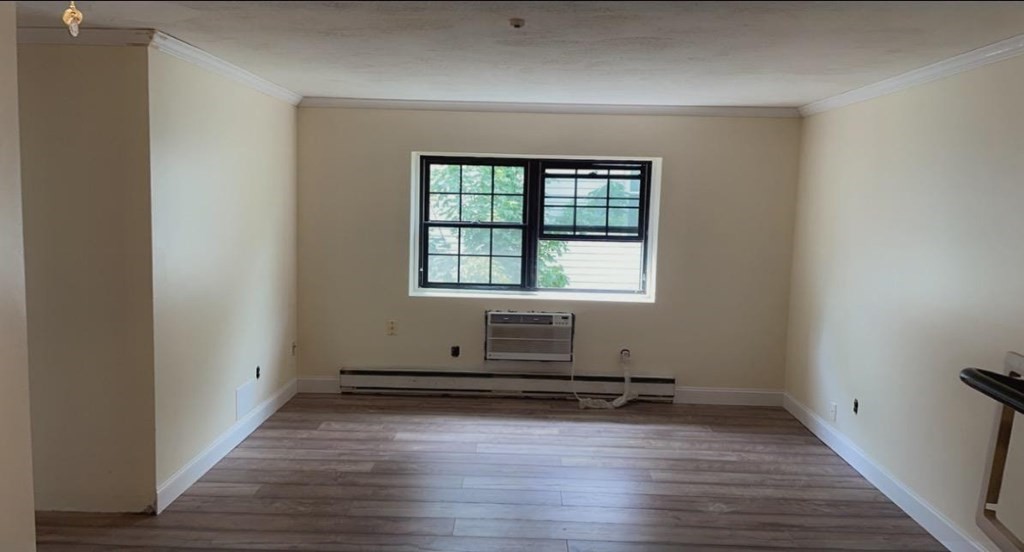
{"points": [[588, 109], [167, 44], [161, 42], [88, 37], [948, 67]]}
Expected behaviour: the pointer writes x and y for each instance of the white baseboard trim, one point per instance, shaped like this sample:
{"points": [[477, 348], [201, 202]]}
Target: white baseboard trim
{"points": [[730, 396], [942, 528], [320, 384], [184, 478]]}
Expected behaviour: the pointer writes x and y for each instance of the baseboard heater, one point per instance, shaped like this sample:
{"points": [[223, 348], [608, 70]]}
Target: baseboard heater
{"points": [[419, 382]]}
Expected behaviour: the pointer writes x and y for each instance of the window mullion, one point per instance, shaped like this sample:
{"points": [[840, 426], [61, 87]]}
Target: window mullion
{"points": [[534, 213]]}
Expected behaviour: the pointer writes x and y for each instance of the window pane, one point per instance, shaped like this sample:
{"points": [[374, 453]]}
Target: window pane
{"points": [[591, 202], [625, 203], [559, 187], [476, 208], [444, 207], [509, 180], [476, 241], [476, 179], [505, 270], [442, 270], [590, 265], [474, 270], [507, 242], [558, 216], [508, 209], [625, 188], [590, 187], [591, 217], [627, 221], [550, 274], [444, 178], [443, 240]]}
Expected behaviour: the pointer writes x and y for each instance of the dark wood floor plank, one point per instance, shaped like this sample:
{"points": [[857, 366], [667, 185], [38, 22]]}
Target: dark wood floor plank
{"points": [[717, 465], [295, 477], [673, 489], [795, 507], [786, 539], [379, 456], [592, 546], [342, 473], [670, 454], [179, 519], [408, 494], [584, 514], [131, 539]]}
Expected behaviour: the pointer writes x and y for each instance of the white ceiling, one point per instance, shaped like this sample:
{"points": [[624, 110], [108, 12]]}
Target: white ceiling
{"points": [[625, 53]]}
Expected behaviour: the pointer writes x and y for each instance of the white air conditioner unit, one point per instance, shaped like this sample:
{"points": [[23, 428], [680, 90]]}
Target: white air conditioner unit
{"points": [[514, 335]]}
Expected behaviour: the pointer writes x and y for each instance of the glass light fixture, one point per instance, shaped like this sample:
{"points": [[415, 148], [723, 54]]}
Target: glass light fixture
{"points": [[72, 18]]}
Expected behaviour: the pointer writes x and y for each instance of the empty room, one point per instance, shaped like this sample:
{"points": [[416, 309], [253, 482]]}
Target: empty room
{"points": [[511, 276]]}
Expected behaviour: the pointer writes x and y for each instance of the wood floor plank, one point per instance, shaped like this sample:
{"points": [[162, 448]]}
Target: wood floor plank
{"points": [[644, 487], [292, 477], [795, 507], [167, 540], [592, 546], [401, 456], [790, 540], [342, 473], [716, 465], [408, 494], [202, 488], [584, 514], [342, 444], [180, 519], [670, 454]]}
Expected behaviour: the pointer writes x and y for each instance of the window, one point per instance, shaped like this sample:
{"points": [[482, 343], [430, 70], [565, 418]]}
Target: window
{"points": [[535, 226]]}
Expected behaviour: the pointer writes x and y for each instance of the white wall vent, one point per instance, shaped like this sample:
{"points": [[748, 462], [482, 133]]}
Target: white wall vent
{"points": [[517, 335]]}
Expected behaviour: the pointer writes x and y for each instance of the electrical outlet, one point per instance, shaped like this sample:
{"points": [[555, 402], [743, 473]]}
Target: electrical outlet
{"points": [[257, 372], [456, 351], [856, 406], [833, 411], [391, 328]]}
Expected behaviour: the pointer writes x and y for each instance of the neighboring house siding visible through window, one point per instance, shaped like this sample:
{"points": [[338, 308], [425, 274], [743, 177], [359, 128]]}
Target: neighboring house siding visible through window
{"points": [[526, 224]]}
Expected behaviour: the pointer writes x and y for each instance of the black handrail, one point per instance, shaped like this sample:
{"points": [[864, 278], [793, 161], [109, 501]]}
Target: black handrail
{"points": [[1007, 389]]}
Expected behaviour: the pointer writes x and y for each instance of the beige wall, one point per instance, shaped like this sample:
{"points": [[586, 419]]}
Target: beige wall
{"points": [[908, 268], [17, 524], [223, 170], [723, 262], [85, 168]]}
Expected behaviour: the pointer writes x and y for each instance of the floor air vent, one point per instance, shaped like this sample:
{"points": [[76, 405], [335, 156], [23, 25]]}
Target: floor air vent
{"points": [[417, 382]]}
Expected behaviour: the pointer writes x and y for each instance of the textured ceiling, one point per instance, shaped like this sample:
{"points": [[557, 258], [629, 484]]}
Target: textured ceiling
{"points": [[632, 53]]}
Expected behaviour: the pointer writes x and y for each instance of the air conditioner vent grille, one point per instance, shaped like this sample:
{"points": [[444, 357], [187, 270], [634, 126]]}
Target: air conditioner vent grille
{"points": [[529, 335]]}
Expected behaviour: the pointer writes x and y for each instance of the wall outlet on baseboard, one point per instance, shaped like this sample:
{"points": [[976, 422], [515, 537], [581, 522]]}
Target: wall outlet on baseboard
{"points": [[391, 328], [833, 411]]}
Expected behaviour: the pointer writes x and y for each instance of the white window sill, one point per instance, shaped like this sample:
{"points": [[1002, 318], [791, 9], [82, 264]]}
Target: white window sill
{"points": [[603, 297]]}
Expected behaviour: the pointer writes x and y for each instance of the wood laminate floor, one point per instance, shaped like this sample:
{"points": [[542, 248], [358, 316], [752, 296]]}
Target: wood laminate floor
{"points": [[360, 473]]}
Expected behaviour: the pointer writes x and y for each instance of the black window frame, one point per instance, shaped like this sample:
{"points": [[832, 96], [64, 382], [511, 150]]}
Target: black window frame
{"points": [[532, 224]]}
